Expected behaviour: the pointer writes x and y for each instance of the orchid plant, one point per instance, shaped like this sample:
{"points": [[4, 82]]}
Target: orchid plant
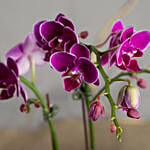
{"points": [[56, 42]]}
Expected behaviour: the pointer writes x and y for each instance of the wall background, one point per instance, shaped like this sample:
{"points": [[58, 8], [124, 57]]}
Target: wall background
{"points": [[16, 20]]}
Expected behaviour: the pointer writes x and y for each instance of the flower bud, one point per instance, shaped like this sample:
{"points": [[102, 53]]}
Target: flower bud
{"points": [[96, 109], [37, 105], [133, 113], [141, 83], [23, 107], [83, 34], [129, 97], [112, 127]]}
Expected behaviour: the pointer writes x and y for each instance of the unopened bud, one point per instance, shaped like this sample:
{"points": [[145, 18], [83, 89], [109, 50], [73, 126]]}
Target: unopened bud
{"points": [[23, 107], [133, 113], [96, 109], [141, 83], [129, 97], [37, 105], [83, 34], [112, 127]]}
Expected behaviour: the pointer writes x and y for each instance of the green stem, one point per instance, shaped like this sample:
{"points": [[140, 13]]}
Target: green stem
{"points": [[45, 109], [91, 125], [107, 90], [116, 77], [120, 79], [113, 105], [33, 70]]}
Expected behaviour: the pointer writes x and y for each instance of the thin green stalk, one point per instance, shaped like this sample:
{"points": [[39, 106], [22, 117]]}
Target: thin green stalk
{"points": [[107, 90], [91, 125], [120, 79], [45, 109], [116, 77], [85, 124], [113, 105]]}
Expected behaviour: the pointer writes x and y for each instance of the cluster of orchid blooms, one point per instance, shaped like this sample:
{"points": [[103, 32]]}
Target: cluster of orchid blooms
{"points": [[57, 42]]}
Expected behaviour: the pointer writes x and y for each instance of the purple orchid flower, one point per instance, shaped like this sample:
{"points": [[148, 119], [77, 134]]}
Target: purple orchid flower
{"points": [[9, 82], [132, 44], [74, 66], [57, 35], [24, 53]]}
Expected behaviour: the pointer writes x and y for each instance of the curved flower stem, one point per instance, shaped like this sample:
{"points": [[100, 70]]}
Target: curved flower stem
{"points": [[113, 105], [118, 76], [107, 90], [91, 126], [45, 109], [103, 43], [120, 79], [109, 50]]}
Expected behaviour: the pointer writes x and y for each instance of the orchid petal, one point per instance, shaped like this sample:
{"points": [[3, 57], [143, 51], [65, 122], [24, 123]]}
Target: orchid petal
{"points": [[29, 44], [71, 83], [127, 33], [133, 66], [23, 65], [38, 57], [12, 65], [88, 70], [80, 51], [97, 82], [51, 29], [6, 76], [16, 52], [141, 39], [36, 32], [66, 22], [138, 53], [60, 61], [104, 59], [69, 35], [126, 59], [58, 16], [118, 25]]}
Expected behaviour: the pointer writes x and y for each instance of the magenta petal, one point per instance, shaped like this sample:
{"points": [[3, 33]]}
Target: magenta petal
{"points": [[51, 29], [71, 84], [88, 70], [69, 35], [60, 61], [104, 59], [80, 51], [119, 55], [58, 16], [12, 65], [126, 59], [133, 66], [138, 53], [127, 33], [118, 25], [97, 82], [16, 52], [140, 39], [67, 46], [36, 31], [112, 58], [23, 93], [66, 22], [54, 42]]}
